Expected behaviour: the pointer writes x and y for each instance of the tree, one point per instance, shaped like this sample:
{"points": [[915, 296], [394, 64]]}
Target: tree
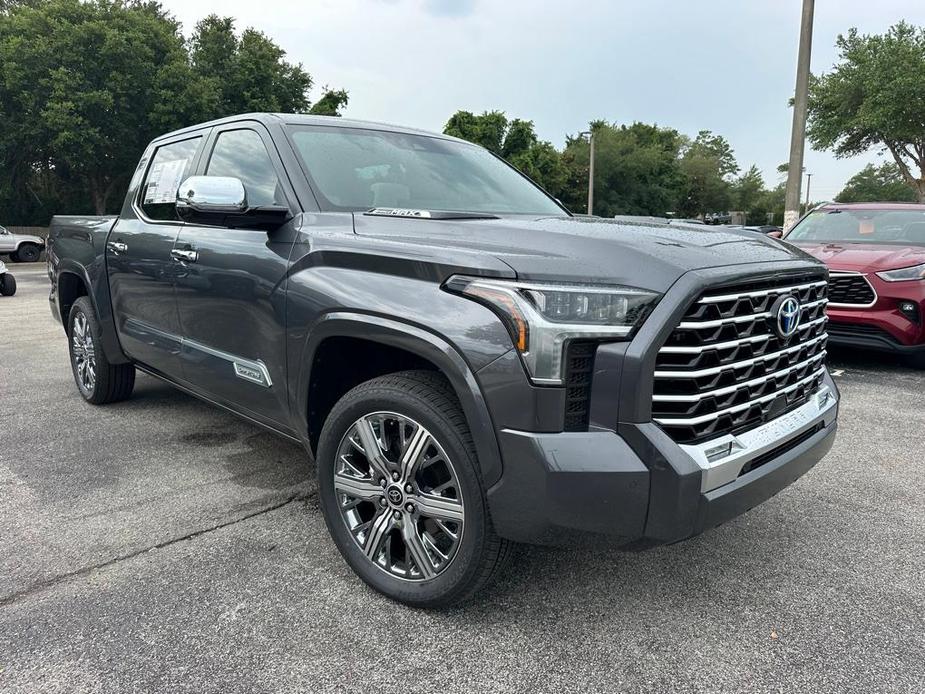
{"points": [[706, 164], [84, 86], [80, 101], [874, 98], [636, 169], [516, 142], [882, 183]]}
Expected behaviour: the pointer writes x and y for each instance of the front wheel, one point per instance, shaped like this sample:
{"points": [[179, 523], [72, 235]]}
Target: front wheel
{"points": [[28, 253], [7, 284], [98, 381], [401, 492]]}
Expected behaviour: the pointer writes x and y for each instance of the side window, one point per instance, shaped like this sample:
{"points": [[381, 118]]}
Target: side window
{"points": [[169, 166], [242, 154]]}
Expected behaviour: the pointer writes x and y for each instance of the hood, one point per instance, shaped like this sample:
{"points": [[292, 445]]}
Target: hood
{"points": [[865, 257], [649, 256]]}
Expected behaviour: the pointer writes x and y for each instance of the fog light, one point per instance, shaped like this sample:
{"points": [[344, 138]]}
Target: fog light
{"points": [[910, 310]]}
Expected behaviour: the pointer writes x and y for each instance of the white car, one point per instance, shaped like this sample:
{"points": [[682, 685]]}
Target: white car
{"points": [[22, 248], [7, 282]]}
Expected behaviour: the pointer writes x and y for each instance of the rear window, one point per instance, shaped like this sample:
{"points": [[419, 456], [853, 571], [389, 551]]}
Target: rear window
{"points": [[901, 227], [169, 166]]}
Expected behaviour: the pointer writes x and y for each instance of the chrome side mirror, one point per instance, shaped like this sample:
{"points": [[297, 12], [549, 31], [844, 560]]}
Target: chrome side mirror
{"points": [[211, 195]]}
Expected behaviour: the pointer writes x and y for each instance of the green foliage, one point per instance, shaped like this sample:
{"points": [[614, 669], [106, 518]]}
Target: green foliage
{"points": [[882, 183], [874, 98], [706, 164], [515, 141], [84, 86], [636, 169]]}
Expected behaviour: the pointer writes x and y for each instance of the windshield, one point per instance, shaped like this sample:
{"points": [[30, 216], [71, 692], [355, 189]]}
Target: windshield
{"points": [[353, 170], [902, 227]]}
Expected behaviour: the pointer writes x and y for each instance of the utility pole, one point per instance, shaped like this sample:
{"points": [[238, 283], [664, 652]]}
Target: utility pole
{"points": [[798, 131], [809, 178], [590, 134]]}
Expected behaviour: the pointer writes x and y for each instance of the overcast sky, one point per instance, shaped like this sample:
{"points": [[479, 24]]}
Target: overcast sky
{"points": [[723, 65]]}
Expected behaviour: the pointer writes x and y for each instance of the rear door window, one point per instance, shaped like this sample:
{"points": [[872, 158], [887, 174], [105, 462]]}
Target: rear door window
{"points": [[169, 166]]}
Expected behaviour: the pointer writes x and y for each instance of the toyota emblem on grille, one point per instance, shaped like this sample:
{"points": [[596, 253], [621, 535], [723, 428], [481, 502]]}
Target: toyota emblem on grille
{"points": [[786, 315]]}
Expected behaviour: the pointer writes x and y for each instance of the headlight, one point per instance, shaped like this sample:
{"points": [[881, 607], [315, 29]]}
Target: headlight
{"points": [[541, 317], [916, 272]]}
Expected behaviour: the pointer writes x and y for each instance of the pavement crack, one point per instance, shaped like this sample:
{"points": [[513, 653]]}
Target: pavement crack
{"points": [[86, 570]]}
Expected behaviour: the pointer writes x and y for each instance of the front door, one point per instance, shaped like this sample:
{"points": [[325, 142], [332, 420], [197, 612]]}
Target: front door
{"points": [[231, 286], [139, 261]]}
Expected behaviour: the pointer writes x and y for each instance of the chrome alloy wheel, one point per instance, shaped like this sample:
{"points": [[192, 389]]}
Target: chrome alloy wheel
{"points": [[399, 496], [84, 352]]}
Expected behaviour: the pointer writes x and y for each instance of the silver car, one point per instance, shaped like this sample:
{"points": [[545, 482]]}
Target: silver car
{"points": [[22, 248]]}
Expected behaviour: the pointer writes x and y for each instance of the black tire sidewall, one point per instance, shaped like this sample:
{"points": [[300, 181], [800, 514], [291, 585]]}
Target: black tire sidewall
{"points": [[26, 251], [7, 284], [454, 580]]}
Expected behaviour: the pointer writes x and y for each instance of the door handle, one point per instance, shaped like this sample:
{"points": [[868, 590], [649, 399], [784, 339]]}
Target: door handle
{"points": [[117, 247], [184, 256]]}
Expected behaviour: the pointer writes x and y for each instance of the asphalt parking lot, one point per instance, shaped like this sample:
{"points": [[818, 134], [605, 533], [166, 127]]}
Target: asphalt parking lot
{"points": [[163, 545]]}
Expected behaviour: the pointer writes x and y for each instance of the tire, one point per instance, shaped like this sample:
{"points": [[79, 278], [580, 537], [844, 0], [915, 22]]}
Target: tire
{"points": [[98, 381], [28, 253], [14, 256], [467, 560], [7, 284]]}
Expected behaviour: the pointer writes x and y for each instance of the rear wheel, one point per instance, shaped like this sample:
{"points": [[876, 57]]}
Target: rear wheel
{"points": [[401, 492], [7, 284], [28, 253], [98, 381]]}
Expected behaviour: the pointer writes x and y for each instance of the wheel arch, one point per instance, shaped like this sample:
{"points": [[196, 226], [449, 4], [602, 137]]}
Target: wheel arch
{"points": [[408, 346]]}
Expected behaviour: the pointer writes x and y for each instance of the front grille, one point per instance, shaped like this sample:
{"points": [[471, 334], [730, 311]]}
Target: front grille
{"points": [[725, 369], [579, 367], [850, 289]]}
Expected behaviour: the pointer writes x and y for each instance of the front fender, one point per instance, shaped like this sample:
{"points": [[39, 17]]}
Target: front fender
{"points": [[417, 341]]}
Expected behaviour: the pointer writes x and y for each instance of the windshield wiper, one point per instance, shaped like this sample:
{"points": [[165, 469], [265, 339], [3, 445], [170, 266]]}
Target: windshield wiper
{"points": [[426, 214]]}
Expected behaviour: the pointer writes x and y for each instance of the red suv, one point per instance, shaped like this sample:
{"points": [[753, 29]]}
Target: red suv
{"points": [[876, 258]]}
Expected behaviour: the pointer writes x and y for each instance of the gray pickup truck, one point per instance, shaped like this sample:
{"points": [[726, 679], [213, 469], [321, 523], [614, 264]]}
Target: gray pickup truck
{"points": [[467, 363]]}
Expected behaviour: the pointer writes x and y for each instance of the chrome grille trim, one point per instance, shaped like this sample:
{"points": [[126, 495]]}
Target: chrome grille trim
{"points": [[760, 292], [744, 406], [737, 386], [740, 364], [734, 343], [690, 325], [725, 370]]}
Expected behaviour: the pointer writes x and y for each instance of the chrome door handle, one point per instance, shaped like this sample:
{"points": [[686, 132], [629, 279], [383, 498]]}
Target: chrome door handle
{"points": [[184, 256], [117, 247]]}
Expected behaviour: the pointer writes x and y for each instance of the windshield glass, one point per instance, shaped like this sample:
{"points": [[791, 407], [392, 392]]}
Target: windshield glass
{"points": [[902, 227], [353, 170]]}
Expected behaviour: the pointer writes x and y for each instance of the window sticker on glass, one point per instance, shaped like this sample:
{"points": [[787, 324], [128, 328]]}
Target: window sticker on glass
{"points": [[163, 181]]}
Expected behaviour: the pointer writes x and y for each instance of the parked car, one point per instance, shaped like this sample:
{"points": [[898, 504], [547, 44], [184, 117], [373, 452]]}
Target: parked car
{"points": [[717, 218], [468, 364], [876, 258], [7, 281], [22, 248]]}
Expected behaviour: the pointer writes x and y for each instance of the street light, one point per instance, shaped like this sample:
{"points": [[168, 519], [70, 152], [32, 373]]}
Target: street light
{"points": [[590, 134]]}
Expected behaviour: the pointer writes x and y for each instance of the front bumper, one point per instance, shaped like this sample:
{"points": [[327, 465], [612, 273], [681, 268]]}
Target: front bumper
{"points": [[625, 477], [558, 484]]}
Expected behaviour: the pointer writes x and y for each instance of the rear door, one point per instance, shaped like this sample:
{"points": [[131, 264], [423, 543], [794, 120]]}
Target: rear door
{"points": [[141, 270], [231, 291]]}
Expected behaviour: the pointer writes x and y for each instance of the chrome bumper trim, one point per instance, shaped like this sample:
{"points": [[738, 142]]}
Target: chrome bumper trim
{"points": [[722, 459]]}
